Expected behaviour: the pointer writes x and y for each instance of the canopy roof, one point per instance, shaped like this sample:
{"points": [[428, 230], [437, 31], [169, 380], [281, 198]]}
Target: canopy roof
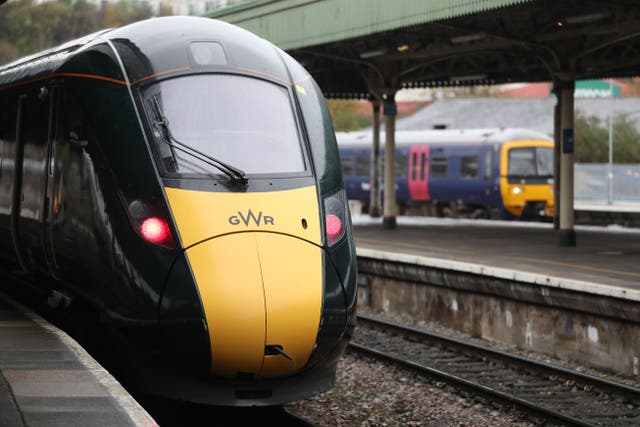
{"points": [[357, 47]]}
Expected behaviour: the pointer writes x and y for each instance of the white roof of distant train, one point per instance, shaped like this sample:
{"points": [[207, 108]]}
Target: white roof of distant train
{"points": [[488, 135]]}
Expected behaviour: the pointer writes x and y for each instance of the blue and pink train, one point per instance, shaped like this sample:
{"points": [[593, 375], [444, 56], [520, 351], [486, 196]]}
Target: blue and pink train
{"points": [[479, 173]]}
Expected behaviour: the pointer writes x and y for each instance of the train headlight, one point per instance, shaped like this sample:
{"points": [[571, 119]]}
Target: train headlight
{"points": [[517, 190], [335, 209]]}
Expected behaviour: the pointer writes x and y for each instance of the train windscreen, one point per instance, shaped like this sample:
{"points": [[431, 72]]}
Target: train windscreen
{"points": [[244, 122], [531, 161]]}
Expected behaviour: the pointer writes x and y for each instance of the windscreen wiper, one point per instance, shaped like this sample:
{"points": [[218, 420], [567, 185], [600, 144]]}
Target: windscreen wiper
{"points": [[236, 175]]}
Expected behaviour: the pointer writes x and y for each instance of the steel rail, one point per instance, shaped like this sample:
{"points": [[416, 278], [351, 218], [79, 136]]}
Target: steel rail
{"points": [[472, 387], [508, 360], [581, 378]]}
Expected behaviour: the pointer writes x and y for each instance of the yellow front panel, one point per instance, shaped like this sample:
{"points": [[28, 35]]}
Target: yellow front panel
{"points": [[227, 272], [515, 202], [292, 276], [257, 262], [200, 215]]}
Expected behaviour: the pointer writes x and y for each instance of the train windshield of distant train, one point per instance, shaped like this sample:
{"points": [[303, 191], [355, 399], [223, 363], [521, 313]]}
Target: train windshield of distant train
{"points": [[243, 123], [531, 161]]}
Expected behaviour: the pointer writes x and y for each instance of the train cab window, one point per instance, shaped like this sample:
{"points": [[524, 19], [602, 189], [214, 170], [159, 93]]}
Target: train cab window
{"points": [[530, 161], [439, 167], [363, 165], [423, 166], [544, 161], [469, 167], [245, 122]]}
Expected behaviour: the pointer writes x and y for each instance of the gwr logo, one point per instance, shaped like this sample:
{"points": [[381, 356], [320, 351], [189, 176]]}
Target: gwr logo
{"points": [[251, 217]]}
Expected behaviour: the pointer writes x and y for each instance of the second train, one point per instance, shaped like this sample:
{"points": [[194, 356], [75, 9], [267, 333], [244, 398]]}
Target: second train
{"points": [[498, 173]]}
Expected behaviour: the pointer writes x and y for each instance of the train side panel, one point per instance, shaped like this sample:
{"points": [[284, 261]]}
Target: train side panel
{"points": [[469, 179], [458, 177]]}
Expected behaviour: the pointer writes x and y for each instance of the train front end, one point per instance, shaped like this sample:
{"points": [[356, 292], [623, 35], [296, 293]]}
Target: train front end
{"points": [[526, 179], [261, 300]]}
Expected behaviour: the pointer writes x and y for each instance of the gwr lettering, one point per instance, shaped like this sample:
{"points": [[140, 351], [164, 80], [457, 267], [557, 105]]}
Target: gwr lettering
{"points": [[251, 217]]}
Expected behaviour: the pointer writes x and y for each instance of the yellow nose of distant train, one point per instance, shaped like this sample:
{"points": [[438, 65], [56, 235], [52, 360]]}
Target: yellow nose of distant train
{"points": [[257, 262]]}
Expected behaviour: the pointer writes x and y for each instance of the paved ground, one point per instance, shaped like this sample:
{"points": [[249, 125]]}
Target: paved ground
{"points": [[602, 256], [47, 379]]}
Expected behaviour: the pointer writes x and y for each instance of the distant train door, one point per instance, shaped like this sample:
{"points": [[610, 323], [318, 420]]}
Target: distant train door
{"points": [[419, 172]]}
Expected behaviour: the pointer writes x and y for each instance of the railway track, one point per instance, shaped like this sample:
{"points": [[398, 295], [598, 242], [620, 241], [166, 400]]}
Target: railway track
{"points": [[557, 395]]}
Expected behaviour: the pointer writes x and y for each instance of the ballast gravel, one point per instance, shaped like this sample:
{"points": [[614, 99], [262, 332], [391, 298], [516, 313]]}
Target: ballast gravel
{"points": [[370, 393]]}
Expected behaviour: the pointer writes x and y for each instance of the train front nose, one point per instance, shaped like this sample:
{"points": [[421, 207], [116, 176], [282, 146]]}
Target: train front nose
{"points": [[257, 261], [262, 296]]}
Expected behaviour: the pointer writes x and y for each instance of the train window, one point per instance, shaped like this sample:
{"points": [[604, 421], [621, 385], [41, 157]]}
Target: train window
{"points": [[347, 165], [402, 164], [439, 166], [363, 165], [227, 118], [530, 161], [414, 167], [423, 166], [469, 167], [488, 165], [521, 161], [544, 161], [8, 114]]}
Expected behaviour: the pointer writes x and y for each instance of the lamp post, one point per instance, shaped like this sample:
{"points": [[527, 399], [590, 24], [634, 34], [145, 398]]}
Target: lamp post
{"points": [[610, 166]]}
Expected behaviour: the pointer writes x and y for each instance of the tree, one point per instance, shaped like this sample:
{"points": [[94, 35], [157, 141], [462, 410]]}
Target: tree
{"points": [[592, 140], [346, 116], [28, 27]]}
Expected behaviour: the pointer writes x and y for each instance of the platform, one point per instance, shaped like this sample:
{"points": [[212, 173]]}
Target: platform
{"points": [[605, 260], [47, 379]]}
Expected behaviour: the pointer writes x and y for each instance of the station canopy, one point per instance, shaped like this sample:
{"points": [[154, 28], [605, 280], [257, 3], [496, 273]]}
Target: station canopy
{"points": [[356, 47]]}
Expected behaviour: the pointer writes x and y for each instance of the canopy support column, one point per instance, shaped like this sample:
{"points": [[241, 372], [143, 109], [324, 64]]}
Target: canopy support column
{"points": [[566, 233], [557, 153], [389, 110], [374, 198]]}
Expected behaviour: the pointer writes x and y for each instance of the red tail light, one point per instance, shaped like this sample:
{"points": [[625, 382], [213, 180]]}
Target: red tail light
{"points": [[155, 230], [335, 209], [333, 226], [149, 220]]}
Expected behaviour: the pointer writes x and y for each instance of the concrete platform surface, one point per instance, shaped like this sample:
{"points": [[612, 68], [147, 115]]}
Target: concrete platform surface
{"points": [[47, 379], [605, 260]]}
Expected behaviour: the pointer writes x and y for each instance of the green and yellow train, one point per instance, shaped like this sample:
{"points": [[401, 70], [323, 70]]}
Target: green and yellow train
{"points": [[179, 178]]}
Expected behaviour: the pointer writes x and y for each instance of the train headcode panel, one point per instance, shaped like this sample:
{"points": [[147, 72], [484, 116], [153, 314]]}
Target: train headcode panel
{"points": [[179, 179]]}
